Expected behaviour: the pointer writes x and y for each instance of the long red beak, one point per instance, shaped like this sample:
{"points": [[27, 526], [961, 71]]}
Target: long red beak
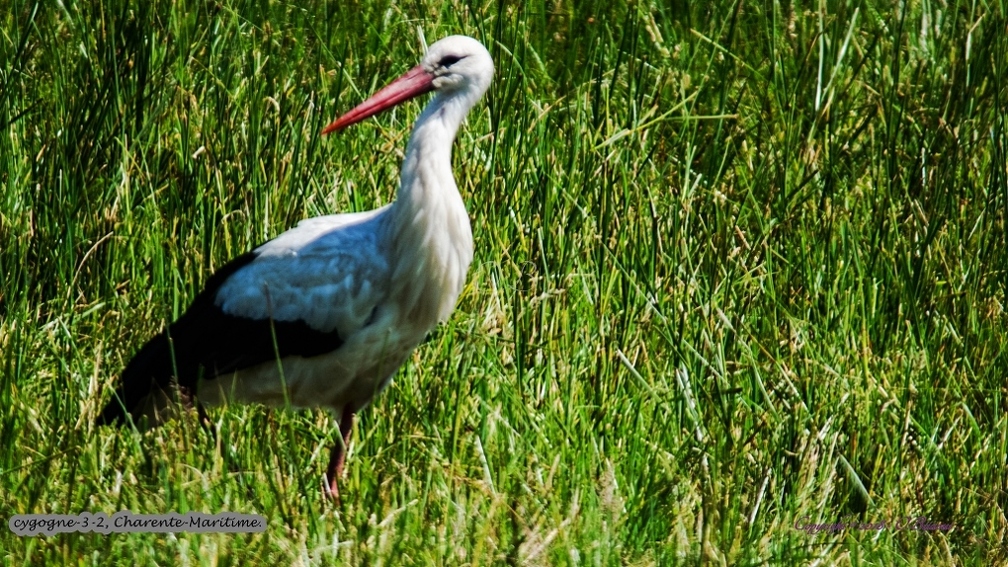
{"points": [[415, 82]]}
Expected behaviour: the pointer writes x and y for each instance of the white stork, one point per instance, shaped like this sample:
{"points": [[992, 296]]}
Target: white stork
{"points": [[324, 314]]}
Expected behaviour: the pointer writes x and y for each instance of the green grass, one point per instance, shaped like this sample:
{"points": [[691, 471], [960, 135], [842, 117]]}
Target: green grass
{"points": [[739, 267]]}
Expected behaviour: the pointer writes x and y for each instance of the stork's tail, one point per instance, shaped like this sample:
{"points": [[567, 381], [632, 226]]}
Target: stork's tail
{"points": [[147, 375]]}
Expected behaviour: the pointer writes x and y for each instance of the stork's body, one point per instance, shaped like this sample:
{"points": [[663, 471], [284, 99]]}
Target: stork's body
{"points": [[324, 315]]}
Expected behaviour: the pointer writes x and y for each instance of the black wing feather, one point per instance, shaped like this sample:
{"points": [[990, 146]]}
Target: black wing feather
{"points": [[206, 342]]}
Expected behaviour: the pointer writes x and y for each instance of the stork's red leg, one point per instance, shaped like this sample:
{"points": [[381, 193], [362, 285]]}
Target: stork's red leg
{"points": [[338, 455]]}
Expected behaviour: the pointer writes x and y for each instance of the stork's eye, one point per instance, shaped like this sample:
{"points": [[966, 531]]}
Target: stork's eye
{"points": [[449, 60]]}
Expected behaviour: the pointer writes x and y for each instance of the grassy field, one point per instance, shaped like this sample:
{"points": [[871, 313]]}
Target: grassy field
{"points": [[738, 297]]}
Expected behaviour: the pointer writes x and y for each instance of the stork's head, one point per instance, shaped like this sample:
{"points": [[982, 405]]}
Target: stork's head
{"points": [[457, 65], [459, 62]]}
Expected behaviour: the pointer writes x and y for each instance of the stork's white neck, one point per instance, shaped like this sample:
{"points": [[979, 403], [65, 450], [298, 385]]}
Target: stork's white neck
{"points": [[431, 240]]}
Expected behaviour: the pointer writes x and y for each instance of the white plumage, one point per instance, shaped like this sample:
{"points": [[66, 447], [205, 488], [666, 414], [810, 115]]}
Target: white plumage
{"points": [[339, 301]]}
